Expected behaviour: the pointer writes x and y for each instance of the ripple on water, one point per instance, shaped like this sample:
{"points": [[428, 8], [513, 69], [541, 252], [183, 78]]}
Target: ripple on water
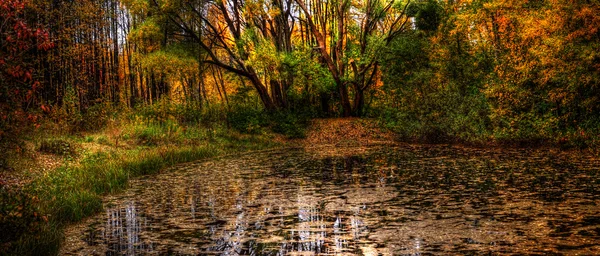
{"points": [[405, 200]]}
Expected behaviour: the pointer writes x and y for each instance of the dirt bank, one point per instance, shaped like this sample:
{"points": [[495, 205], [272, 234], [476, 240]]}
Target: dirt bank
{"points": [[345, 132]]}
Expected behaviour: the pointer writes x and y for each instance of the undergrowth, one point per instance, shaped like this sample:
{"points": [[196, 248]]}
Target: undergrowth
{"points": [[94, 164]]}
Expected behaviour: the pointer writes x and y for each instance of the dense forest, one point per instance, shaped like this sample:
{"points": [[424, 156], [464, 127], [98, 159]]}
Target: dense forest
{"points": [[466, 70], [471, 71]]}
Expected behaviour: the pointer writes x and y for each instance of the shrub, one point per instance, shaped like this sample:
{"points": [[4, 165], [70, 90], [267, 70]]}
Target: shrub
{"points": [[160, 111], [190, 112], [57, 147], [88, 139], [18, 214], [291, 125], [97, 116], [247, 119], [157, 134]]}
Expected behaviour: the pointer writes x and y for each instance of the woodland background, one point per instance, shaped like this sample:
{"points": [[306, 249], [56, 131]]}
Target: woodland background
{"points": [[459, 70]]}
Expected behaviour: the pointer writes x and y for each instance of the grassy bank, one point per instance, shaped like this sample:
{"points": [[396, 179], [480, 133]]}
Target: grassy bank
{"points": [[59, 177]]}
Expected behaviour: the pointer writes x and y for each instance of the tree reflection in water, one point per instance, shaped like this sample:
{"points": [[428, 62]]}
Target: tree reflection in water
{"points": [[410, 201], [122, 230]]}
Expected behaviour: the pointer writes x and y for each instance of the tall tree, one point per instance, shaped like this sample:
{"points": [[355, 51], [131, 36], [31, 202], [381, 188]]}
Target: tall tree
{"points": [[230, 32], [378, 24]]}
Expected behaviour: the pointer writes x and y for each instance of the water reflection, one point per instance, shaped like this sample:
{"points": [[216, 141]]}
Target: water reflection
{"points": [[409, 200], [121, 232]]}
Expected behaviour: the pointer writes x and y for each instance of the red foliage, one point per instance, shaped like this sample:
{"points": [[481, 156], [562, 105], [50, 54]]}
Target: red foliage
{"points": [[21, 36]]}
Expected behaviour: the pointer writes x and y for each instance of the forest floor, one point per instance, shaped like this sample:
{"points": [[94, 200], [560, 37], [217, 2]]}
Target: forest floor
{"points": [[344, 132]]}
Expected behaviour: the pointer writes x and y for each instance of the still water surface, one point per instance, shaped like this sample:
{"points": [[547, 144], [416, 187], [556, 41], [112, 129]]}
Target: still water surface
{"points": [[402, 200]]}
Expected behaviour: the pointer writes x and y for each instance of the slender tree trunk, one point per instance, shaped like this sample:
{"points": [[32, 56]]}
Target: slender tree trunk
{"points": [[222, 82], [331, 65]]}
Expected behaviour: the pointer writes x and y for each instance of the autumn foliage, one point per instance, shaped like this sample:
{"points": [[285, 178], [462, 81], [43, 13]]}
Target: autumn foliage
{"points": [[506, 70], [20, 41], [469, 69]]}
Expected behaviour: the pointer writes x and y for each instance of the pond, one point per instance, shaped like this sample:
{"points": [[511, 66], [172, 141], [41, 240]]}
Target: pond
{"points": [[381, 200]]}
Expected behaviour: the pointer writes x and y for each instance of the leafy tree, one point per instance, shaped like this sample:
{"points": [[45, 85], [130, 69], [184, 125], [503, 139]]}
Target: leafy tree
{"points": [[233, 35], [376, 24]]}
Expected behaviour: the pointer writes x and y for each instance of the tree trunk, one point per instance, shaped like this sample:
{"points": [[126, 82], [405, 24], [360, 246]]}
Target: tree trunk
{"points": [[277, 94], [329, 61], [325, 108], [359, 102], [263, 93], [344, 98]]}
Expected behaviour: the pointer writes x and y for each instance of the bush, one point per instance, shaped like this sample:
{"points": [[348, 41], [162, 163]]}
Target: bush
{"points": [[160, 111], [254, 121], [289, 124], [156, 134], [103, 139], [88, 139], [431, 96], [58, 147], [443, 115], [247, 119], [18, 214], [166, 110], [189, 113], [97, 116]]}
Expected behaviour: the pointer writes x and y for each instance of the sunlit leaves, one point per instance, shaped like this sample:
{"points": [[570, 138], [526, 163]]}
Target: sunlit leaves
{"points": [[147, 35], [265, 58], [136, 7], [310, 75], [544, 63], [400, 5], [173, 63]]}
